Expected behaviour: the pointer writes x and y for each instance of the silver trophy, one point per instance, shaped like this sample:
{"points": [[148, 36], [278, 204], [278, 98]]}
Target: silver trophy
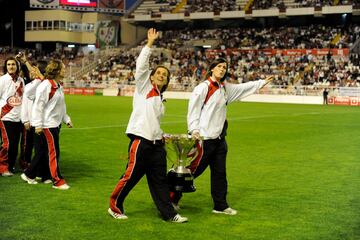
{"points": [[181, 151]]}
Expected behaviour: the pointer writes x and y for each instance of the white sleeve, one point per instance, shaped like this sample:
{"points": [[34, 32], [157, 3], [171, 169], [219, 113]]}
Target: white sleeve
{"points": [[66, 119], [2, 90], [196, 103], [25, 104], [41, 98], [143, 72], [236, 92], [30, 88]]}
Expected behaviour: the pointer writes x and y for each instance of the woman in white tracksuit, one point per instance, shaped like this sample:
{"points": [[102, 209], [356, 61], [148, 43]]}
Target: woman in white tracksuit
{"points": [[39, 165], [207, 120], [147, 155], [48, 112], [27, 137], [11, 91]]}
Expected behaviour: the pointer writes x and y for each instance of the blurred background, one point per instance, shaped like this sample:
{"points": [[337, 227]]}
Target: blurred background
{"points": [[309, 45]]}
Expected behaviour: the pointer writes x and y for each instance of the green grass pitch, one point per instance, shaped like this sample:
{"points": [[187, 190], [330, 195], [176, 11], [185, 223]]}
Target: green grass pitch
{"points": [[293, 174]]}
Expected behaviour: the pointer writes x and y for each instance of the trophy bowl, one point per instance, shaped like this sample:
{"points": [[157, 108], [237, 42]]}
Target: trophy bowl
{"points": [[181, 150]]}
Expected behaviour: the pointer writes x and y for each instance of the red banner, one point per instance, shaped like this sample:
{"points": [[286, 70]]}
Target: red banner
{"points": [[346, 101], [354, 101], [79, 91]]}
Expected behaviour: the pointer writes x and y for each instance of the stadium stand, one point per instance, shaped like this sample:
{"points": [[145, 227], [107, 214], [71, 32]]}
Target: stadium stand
{"points": [[302, 55], [192, 6], [187, 64]]}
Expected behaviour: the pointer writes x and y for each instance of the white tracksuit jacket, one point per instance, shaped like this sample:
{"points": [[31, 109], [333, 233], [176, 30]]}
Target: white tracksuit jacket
{"points": [[148, 108], [28, 100], [8, 89], [209, 118], [46, 112]]}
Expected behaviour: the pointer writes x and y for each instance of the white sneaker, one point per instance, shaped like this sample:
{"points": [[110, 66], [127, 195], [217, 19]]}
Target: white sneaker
{"points": [[62, 187], [47, 181], [178, 219], [117, 215], [7, 174], [227, 211], [28, 180]]}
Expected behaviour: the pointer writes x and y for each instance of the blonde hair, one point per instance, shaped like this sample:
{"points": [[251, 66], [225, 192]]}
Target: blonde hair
{"points": [[53, 69]]}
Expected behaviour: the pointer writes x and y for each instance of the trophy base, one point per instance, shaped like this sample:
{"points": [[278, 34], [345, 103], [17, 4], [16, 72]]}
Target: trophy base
{"points": [[181, 181]]}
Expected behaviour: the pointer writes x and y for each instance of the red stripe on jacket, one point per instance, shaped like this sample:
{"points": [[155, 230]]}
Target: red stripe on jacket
{"points": [[154, 92], [54, 87], [7, 108], [212, 87]]}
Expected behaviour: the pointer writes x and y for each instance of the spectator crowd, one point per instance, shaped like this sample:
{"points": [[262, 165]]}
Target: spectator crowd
{"points": [[193, 6], [245, 50]]}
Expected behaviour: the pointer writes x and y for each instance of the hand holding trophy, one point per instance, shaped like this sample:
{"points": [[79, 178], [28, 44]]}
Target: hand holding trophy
{"points": [[181, 151]]}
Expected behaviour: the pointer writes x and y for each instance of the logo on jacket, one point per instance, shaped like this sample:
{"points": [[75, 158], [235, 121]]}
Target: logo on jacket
{"points": [[14, 101]]}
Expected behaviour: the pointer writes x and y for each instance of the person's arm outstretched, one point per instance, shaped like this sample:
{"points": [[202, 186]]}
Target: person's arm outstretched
{"points": [[238, 91], [143, 71]]}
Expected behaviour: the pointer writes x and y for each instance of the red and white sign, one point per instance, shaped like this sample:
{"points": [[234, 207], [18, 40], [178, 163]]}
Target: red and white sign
{"points": [[346, 101], [79, 3], [354, 101], [79, 91], [88, 91]]}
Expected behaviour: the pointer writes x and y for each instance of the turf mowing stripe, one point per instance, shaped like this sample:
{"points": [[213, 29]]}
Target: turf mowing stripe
{"points": [[177, 122]]}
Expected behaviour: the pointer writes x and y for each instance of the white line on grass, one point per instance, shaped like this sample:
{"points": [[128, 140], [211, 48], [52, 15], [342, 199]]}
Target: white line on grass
{"points": [[96, 127], [183, 121]]}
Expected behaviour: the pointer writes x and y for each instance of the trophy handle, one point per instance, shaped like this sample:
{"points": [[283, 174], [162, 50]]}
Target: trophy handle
{"points": [[195, 151]]}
